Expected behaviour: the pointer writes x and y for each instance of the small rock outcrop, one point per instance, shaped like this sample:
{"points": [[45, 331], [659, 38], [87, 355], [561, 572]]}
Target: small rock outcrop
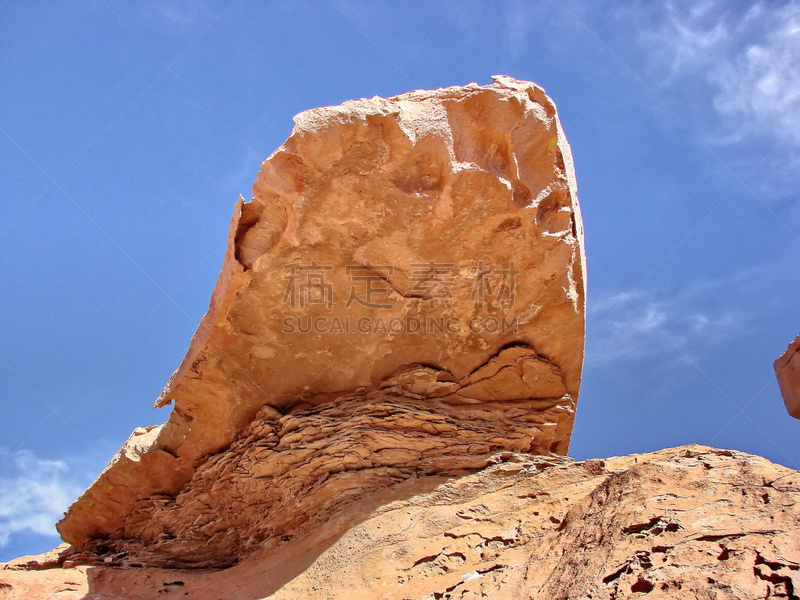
{"points": [[787, 369], [688, 522], [402, 298]]}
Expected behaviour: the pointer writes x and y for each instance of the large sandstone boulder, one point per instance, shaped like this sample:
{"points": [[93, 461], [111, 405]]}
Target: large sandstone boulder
{"points": [[403, 297], [787, 369], [689, 522]]}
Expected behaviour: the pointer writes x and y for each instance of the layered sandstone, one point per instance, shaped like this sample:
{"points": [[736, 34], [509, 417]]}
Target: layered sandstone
{"points": [[402, 298], [689, 522], [787, 369], [286, 475]]}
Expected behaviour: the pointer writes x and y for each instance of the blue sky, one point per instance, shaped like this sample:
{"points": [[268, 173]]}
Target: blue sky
{"points": [[128, 129]]}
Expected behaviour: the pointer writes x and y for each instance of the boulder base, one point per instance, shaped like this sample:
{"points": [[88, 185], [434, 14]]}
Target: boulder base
{"points": [[689, 522]]}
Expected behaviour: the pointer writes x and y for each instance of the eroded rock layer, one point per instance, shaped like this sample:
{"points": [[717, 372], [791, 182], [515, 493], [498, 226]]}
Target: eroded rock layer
{"points": [[287, 474], [689, 522], [402, 297]]}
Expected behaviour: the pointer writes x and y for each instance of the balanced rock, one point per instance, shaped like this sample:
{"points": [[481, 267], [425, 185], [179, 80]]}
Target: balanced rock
{"points": [[402, 298], [689, 522], [787, 369]]}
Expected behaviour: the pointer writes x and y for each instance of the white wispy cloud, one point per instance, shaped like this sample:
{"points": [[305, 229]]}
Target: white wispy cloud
{"points": [[640, 327], [748, 60], [34, 493], [606, 302], [687, 323]]}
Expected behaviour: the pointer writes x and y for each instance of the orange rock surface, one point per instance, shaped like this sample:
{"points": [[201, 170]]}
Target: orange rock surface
{"points": [[402, 298], [689, 522], [787, 369]]}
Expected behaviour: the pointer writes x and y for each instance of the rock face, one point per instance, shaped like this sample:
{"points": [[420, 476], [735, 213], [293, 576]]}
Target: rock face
{"points": [[787, 369], [689, 522], [402, 298]]}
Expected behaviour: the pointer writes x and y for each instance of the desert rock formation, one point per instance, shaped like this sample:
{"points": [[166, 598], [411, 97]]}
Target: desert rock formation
{"points": [[349, 423], [689, 522], [402, 299], [787, 369]]}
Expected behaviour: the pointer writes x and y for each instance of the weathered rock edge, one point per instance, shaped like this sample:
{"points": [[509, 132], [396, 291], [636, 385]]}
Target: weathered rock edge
{"points": [[477, 177], [787, 370], [688, 522]]}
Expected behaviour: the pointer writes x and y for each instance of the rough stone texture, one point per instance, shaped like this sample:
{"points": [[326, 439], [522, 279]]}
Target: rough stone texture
{"points": [[273, 430], [419, 423], [787, 369], [689, 522]]}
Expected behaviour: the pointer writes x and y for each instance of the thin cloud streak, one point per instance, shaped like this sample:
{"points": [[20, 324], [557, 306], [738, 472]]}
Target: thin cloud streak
{"points": [[635, 330], [699, 316]]}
